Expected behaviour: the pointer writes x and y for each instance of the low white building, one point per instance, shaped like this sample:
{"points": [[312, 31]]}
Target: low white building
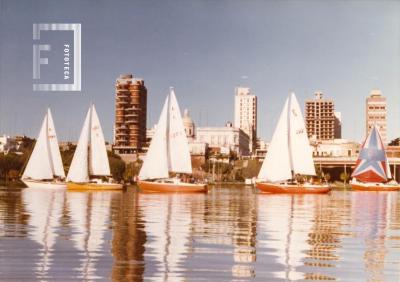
{"points": [[227, 137], [6, 143], [198, 148], [335, 148]]}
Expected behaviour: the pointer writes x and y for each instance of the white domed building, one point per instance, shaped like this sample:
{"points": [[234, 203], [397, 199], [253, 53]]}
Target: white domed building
{"points": [[189, 126]]}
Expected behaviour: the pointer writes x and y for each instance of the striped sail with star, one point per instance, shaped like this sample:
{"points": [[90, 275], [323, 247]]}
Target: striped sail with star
{"points": [[371, 165]]}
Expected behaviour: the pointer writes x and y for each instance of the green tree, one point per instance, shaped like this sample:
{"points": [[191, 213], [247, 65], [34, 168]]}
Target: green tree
{"points": [[395, 142], [344, 176], [117, 166], [11, 162]]}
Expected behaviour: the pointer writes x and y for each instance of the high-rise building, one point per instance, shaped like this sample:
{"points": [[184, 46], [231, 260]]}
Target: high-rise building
{"points": [[130, 114], [338, 125], [320, 117], [376, 113], [246, 114]]}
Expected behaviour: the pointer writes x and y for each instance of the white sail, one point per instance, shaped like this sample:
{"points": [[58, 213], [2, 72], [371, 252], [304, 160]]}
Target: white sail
{"points": [[98, 160], [276, 165], [156, 163], [300, 149], [55, 155], [78, 171], [39, 166], [178, 147]]}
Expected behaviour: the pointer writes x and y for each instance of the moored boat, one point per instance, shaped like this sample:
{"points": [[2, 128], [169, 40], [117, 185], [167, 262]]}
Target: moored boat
{"points": [[288, 166], [372, 171], [295, 188], [168, 154], [44, 168], [373, 186], [90, 169], [47, 184]]}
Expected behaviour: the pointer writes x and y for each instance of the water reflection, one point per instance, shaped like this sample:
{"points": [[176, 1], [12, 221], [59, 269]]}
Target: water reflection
{"points": [[231, 233], [168, 224], [376, 213], [90, 219], [45, 208], [291, 234], [128, 238]]}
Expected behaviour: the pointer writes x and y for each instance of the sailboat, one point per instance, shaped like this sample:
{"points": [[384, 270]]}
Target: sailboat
{"points": [[168, 152], [289, 156], [372, 171], [90, 165], [44, 168]]}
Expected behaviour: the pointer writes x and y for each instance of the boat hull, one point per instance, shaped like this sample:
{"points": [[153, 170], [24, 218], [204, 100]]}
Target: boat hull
{"points": [[273, 188], [155, 187], [94, 186], [375, 187], [44, 184]]}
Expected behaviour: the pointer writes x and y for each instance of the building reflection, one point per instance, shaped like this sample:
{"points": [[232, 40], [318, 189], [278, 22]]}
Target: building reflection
{"points": [[227, 234], [230, 222], [324, 242], [128, 239]]}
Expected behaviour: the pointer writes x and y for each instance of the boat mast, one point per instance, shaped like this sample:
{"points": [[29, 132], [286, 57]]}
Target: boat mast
{"points": [[89, 140], [48, 143], [168, 128], [289, 136]]}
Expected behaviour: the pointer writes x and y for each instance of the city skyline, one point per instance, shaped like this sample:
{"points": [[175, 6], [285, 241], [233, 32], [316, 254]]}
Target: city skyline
{"points": [[344, 49]]}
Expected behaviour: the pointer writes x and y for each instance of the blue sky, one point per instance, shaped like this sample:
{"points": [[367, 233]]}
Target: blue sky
{"points": [[205, 49]]}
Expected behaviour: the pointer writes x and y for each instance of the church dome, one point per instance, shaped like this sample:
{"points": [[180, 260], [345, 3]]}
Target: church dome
{"points": [[187, 120], [188, 124]]}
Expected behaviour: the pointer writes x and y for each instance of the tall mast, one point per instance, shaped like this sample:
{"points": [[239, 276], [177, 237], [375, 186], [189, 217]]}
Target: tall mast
{"points": [[48, 143], [289, 136], [168, 129], [89, 139]]}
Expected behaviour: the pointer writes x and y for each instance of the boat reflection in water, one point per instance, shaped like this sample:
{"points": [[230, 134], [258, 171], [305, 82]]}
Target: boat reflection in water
{"points": [[378, 213], [290, 234], [230, 233], [45, 208], [90, 220], [167, 222]]}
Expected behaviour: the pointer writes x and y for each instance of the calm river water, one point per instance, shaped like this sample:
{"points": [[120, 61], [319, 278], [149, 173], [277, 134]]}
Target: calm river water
{"points": [[231, 233]]}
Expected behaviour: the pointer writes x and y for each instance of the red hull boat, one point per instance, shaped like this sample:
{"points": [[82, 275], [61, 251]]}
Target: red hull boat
{"points": [[293, 188]]}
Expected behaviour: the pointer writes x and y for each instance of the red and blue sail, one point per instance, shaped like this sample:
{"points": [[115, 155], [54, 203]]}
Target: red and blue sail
{"points": [[371, 163]]}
